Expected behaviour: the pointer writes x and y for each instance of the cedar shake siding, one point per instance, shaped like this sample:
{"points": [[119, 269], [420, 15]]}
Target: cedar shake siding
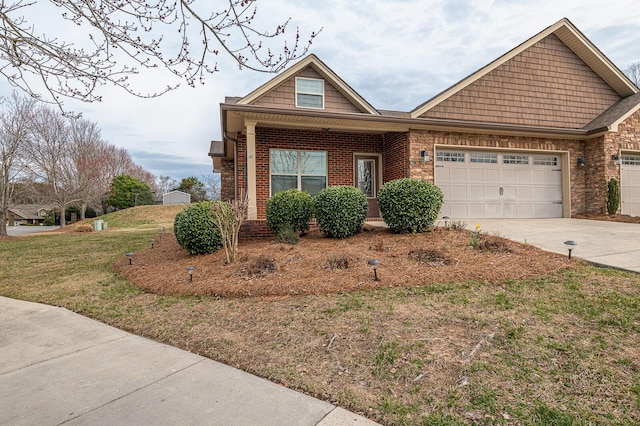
{"points": [[284, 96], [545, 85]]}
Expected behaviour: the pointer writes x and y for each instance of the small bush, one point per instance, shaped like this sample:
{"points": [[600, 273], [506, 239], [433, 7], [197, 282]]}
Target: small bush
{"points": [[292, 207], [613, 196], [340, 210], [84, 228], [195, 229], [287, 235], [409, 205]]}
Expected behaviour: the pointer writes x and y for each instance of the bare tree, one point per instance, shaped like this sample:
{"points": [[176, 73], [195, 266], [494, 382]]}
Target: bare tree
{"points": [[633, 72], [211, 182], [87, 152], [164, 185], [51, 157], [125, 37], [14, 134]]}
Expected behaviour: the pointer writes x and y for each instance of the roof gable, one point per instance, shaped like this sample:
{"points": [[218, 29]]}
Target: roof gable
{"points": [[280, 91], [562, 35]]}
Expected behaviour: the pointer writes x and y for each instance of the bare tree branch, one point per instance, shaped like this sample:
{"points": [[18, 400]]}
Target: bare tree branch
{"points": [[633, 72], [125, 36]]}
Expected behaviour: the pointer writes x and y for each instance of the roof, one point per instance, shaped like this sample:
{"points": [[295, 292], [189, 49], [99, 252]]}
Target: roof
{"points": [[176, 191], [616, 114], [573, 39], [322, 69], [30, 211]]}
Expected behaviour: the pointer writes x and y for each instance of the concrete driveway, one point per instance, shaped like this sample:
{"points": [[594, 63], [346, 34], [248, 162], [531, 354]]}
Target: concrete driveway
{"points": [[23, 230], [610, 244]]}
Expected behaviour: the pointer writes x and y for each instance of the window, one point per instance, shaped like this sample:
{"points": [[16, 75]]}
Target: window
{"points": [[630, 160], [450, 157], [545, 160], [303, 170], [483, 158], [309, 93], [515, 159]]}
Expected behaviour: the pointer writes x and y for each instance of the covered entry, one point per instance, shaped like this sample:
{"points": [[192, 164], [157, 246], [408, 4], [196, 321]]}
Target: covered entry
{"points": [[499, 184]]}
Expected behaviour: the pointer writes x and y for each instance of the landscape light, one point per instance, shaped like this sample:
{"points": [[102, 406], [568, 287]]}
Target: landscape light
{"points": [[151, 242], [129, 256], [190, 270], [374, 264], [570, 245]]}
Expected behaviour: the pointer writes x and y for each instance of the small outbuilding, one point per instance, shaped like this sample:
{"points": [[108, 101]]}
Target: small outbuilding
{"points": [[176, 197]]}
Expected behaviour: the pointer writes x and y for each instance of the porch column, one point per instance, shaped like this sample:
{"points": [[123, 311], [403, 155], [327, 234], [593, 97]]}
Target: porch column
{"points": [[252, 213]]}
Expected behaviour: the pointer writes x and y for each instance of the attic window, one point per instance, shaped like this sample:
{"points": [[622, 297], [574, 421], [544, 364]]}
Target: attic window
{"points": [[309, 93]]}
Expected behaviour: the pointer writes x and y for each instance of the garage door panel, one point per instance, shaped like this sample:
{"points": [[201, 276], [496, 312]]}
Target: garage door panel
{"points": [[630, 185], [495, 190]]}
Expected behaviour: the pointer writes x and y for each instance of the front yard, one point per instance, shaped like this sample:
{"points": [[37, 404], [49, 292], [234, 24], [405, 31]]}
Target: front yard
{"points": [[449, 335]]}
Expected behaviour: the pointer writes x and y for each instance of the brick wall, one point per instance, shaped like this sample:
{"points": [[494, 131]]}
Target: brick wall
{"points": [[395, 156], [339, 146], [227, 180]]}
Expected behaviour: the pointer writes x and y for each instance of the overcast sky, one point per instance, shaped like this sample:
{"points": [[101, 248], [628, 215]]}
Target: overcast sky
{"points": [[396, 54]]}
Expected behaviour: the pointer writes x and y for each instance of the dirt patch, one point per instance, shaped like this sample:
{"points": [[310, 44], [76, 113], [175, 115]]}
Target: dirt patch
{"points": [[610, 218], [318, 265]]}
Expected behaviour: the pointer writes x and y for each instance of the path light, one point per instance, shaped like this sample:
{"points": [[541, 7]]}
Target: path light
{"points": [[570, 245], [446, 221], [129, 256], [374, 264], [151, 242], [190, 270], [160, 233]]}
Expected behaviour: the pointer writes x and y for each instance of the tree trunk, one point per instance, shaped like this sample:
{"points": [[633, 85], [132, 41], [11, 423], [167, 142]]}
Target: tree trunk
{"points": [[83, 210], [3, 223]]}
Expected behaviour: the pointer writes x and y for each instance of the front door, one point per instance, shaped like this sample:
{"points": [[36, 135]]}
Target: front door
{"points": [[368, 181]]}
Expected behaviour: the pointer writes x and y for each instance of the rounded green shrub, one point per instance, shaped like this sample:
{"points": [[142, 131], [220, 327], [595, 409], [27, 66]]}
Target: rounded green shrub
{"points": [[409, 205], [340, 210], [613, 196], [291, 208], [196, 230]]}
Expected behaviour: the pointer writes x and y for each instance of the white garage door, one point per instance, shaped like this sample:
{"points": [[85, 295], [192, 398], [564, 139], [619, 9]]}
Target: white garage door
{"points": [[499, 184], [630, 185]]}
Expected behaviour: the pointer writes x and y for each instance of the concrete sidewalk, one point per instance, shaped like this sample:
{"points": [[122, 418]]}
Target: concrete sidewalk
{"points": [[60, 367], [611, 244]]}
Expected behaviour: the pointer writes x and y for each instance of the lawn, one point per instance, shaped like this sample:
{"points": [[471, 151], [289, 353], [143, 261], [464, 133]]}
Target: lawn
{"points": [[541, 341]]}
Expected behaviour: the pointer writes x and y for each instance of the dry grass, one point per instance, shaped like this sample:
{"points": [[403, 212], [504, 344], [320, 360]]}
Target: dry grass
{"points": [[450, 335]]}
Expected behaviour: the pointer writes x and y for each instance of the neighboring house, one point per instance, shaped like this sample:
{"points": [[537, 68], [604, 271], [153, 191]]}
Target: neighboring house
{"points": [[537, 133], [28, 214], [176, 197]]}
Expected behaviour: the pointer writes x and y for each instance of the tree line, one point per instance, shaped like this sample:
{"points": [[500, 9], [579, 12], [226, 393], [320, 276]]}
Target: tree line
{"points": [[48, 158]]}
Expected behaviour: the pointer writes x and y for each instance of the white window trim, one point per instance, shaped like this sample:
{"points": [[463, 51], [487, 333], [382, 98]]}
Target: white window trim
{"points": [[299, 175], [309, 93]]}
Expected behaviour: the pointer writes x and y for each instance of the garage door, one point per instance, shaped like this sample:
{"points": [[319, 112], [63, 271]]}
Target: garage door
{"points": [[630, 184], [499, 184]]}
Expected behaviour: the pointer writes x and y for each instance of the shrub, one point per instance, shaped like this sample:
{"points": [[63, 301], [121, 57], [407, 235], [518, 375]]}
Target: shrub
{"points": [[613, 196], [287, 235], [90, 212], [291, 208], [195, 229], [340, 210], [409, 205]]}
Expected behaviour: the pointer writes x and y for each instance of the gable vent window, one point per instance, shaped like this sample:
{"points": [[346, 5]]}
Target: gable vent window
{"points": [[309, 93]]}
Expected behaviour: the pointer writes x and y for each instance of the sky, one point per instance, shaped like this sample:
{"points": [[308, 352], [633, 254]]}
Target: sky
{"points": [[395, 53]]}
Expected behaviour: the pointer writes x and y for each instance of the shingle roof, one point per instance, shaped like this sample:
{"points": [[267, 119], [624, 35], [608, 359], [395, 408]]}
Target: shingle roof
{"points": [[615, 113], [29, 211]]}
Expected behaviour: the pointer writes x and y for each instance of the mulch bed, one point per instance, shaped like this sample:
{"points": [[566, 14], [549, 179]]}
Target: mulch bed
{"points": [[318, 265]]}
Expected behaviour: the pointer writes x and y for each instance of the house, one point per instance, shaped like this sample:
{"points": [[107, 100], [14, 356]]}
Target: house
{"points": [[28, 214], [537, 133], [176, 197]]}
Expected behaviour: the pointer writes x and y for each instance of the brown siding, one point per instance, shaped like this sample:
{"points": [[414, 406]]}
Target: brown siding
{"points": [[583, 198], [284, 96], [396, 156], [545, 85]]}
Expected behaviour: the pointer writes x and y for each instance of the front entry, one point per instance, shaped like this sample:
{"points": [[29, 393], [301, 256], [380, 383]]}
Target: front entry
{"points": [[367, 179]]}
